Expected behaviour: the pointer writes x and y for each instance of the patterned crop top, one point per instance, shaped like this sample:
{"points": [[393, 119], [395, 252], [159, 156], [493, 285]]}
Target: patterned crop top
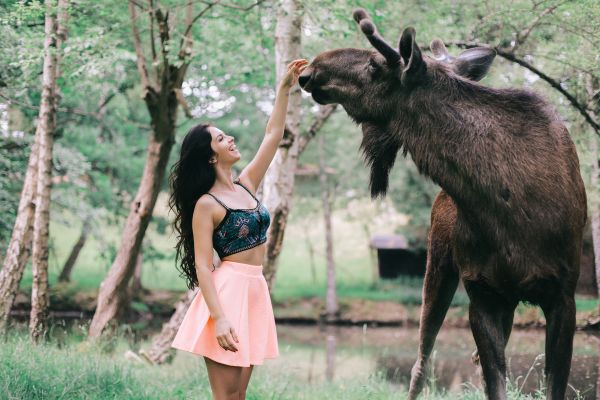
{"points": [[241, 228]]}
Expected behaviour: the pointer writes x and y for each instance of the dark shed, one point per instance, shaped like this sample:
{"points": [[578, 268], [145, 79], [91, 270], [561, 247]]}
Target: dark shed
{"points": [[395, 258]]}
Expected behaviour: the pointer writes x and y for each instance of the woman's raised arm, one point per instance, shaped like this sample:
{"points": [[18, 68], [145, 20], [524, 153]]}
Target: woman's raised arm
{"points": [[254, 172]]}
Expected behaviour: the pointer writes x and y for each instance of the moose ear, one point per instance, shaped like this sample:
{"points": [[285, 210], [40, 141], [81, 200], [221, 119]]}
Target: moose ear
{"points": [[438, 48], [474, 63], [414, 66]]}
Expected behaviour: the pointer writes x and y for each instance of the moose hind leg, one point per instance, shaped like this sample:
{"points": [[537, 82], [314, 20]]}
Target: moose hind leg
{"points": [[489, 316], [439, 286], [560, 328]]}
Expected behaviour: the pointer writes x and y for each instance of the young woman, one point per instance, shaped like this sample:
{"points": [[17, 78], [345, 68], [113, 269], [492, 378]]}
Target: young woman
{"points": [[230, 321]]}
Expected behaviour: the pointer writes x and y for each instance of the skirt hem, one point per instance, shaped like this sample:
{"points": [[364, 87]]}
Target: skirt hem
{"points": [[216, 358]]}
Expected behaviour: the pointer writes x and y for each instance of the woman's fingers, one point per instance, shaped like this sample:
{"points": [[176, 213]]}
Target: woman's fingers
{"points": [[222, 343], [230, 344], [234, 335], [297, 62]]}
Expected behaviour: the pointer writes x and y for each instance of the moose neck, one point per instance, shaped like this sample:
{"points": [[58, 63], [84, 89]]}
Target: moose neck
{"points": [[459, 135]]}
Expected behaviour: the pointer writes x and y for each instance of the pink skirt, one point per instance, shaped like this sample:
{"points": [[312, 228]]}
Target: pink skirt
{"points": [[244, 297]]}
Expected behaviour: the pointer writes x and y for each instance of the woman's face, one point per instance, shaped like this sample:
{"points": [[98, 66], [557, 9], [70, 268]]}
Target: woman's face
{"points": [[223, 146]]}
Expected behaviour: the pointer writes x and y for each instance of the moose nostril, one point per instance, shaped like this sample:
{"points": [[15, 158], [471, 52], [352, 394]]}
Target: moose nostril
{"points": [[303, 80]]}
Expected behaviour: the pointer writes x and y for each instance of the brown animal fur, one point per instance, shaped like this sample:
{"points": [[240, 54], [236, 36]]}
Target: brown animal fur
{"points": [[510, 218]]}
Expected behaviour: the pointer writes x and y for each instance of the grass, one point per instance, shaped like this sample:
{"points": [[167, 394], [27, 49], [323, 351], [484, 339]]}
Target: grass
{"points": [[76, 369]]}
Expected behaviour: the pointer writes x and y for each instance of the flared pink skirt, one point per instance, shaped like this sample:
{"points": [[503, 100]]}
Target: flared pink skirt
{"points": [[244, 296]]}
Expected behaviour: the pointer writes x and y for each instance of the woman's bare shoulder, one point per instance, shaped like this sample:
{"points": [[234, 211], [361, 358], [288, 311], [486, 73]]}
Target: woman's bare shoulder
{"points": [[205, 206]]}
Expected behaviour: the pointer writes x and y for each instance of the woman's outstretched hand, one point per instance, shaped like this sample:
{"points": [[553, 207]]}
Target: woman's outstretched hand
{"points": [[294, 69]]}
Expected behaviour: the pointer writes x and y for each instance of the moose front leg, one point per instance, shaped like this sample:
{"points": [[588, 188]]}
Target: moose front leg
{"points": [[439, 286]]}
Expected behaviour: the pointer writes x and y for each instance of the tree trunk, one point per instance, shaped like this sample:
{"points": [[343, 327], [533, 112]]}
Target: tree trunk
{"points": [[54, 37], [595, 212], [112, 296], [331, 304], [161, 100], [161, 350], [592, 86], [65, 274], [19, 247], [278, 183]]}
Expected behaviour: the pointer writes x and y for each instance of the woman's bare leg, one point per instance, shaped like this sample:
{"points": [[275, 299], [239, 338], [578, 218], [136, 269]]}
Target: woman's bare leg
{"points": [[225, 380], [246, 373]]}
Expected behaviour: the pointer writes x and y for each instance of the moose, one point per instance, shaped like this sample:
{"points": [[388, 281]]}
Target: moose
{"points": [[509, 219]]}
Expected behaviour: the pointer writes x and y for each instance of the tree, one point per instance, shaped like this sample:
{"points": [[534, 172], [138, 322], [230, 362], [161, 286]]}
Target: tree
{"points": [[278, 183], [331, 304], [56, 32], [65, 274], [161, 91]]}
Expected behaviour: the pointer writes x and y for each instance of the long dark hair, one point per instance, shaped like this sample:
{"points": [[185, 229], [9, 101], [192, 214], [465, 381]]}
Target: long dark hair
{"points": [[191, 177]]}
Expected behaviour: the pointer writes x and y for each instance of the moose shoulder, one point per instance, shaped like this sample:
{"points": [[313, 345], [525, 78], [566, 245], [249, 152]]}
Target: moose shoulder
{"points": [[510, 218]]}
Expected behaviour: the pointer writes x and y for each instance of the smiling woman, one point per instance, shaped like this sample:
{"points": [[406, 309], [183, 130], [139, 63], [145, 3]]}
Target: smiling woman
{"points": [[230, 321]]}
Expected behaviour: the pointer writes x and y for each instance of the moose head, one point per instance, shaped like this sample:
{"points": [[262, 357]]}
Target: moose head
{"points": [[378, 88]]}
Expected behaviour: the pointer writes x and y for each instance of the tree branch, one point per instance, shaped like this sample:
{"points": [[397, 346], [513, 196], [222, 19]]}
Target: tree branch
{"points": [[189, 25], [152, 44], [234, 6], [522, 36], [163, 29], [319, 120], [508, 55], [141, 62], [185, 45]]}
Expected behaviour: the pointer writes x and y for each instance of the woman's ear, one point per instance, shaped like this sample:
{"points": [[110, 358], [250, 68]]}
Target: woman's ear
{"points": [[212, 160]]}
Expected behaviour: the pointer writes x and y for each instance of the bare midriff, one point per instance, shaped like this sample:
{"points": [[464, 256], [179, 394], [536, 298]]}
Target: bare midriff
{"points": [[253, 256]]}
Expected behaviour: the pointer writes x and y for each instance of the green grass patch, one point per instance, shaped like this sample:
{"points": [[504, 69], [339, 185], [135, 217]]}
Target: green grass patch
{"points": [[77, 369]]}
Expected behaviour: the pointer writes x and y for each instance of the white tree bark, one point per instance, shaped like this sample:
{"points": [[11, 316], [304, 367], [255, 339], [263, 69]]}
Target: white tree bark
{"points": [[278, 183], [54, 38], [19, 247]]}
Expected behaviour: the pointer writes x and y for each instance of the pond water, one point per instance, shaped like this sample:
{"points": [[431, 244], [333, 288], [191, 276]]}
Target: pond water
{"points": [[313, 354]]}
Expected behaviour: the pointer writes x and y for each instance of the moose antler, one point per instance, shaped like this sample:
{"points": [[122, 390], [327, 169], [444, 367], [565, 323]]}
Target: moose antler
{"points": [[368, 28]]}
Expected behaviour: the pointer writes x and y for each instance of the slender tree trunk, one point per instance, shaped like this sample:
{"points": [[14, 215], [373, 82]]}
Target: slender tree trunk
{"points": [[55, 33], [161, 350], [278, 183], [331, 304], [592, 86], [65, 274], [311, 254], [19, 247], [595, 212]]}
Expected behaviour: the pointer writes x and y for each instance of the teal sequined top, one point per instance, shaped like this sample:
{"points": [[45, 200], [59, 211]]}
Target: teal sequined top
{"points": [[241, 228]]}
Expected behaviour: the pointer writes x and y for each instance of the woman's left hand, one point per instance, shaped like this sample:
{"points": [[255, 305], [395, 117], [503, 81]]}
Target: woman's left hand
{"points": [[294, 70]]}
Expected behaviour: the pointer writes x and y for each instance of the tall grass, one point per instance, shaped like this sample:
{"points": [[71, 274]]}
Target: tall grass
{"points": [[77, 369]]}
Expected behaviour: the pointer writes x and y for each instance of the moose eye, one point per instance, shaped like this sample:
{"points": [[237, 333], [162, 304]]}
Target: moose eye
{"points": [[373, 66]]}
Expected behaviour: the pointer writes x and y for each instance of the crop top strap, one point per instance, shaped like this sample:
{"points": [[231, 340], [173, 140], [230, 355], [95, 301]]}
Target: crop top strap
{"points": [[240, 183], [219, 201]]}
